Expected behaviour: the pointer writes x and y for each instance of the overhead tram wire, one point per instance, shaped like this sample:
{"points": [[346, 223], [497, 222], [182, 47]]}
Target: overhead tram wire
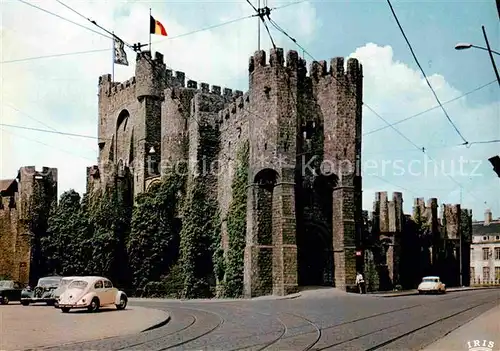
{"points": [[425, 76], [430, 109], [47, 145], [261, 12], [422, 149], [155, 42], [53, 132], [38, 121], [64, 19], [109, 49]]}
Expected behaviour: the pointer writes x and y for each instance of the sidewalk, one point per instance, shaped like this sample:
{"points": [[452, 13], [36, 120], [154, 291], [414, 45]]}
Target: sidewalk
{"points": [[485, 327], [415, 292]]}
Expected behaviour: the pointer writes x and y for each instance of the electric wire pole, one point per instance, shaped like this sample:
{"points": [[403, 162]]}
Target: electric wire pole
{"points": [[460, 241], [491, 55], [258, 27]]}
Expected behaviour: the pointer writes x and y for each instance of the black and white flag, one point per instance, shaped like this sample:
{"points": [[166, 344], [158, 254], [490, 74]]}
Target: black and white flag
{"points": [[120, 56]]}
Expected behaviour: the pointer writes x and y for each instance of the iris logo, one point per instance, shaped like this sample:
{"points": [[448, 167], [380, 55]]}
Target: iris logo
{"points": [[480, 345]]}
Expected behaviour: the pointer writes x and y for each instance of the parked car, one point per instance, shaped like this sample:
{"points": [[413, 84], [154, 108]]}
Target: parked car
{"points": [[63, 285], [92, 293], [43, 292], [10, 290], [431, 284]]}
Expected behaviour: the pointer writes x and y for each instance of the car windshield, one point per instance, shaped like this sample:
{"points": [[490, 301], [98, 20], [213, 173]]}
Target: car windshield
{"points": [[6, 284], [49, 282], [430, 280], [77, 284]]}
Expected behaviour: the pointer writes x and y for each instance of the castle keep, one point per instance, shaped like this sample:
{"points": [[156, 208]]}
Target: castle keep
{"points": [[27, 195], [302, 224]]}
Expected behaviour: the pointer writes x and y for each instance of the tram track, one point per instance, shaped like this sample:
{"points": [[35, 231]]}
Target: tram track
{"points": [[290, 326]]}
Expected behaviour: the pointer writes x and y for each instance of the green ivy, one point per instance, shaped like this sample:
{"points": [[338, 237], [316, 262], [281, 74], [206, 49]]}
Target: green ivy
{"points": [[40, 204], [109, 216], [66, 247], [197, 241], [236, 226], [200, 235], [154, 240]]}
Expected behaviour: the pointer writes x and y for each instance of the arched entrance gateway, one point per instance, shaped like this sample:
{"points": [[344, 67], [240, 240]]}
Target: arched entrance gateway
{"points": [[314, 231]]}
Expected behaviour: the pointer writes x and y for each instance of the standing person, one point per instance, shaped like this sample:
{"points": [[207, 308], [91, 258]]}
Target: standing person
{"points": [[360, 282]]}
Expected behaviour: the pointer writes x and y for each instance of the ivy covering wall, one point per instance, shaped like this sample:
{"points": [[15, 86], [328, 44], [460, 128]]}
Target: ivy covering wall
{"points": [[154, 239], [236, 225], [200, 237]]}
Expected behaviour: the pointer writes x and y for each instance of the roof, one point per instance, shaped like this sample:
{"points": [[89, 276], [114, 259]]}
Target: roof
{"points": [[70, 278], [8, 186], [431, 277], [90, 278], [478, 228]]}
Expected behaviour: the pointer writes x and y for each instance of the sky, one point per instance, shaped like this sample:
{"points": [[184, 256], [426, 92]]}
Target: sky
{"points": [[59, 93]]}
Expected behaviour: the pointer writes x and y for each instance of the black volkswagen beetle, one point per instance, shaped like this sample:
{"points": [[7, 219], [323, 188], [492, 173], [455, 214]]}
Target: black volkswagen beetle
{"points": [[10, 290], [43, 292]]}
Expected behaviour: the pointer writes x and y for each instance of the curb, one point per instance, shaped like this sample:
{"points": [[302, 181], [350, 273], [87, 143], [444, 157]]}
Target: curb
{"points": [[215, 300], [451, 290], [158, 325]]}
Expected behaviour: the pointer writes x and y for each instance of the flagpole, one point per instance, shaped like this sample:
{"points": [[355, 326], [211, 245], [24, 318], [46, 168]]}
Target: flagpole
{"points": [[114, 58], [150, 33]]}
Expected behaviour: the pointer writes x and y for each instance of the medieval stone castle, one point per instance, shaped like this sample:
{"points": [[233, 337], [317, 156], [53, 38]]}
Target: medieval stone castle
{"points": [[305, 224]]}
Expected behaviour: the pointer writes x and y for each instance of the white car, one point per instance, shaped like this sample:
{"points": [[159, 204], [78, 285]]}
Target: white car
{"points": [[431, 284], [91, 293], [63, 285]]}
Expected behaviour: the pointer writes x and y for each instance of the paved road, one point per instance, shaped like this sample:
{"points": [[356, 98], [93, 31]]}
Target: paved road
{"points": [[316, 321], [30, 327]]}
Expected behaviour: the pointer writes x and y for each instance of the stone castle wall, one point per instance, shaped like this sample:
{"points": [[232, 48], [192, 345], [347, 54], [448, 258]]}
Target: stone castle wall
{"points": [[15, 211], [285, 114]]}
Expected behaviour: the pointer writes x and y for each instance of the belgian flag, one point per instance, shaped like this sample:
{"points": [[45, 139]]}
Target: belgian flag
{"points": [[155, 27]]}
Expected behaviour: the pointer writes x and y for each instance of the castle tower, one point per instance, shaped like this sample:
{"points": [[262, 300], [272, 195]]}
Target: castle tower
{"points": [[26, 202], [271, 250], [339, 96], [390, 229], [130, 126]]}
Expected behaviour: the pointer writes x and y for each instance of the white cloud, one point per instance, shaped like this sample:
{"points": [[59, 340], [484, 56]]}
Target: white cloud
{"points": [[62, 92]]}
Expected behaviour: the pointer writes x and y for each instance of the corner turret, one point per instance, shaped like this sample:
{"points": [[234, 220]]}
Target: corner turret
{"points": [[150, 75]]}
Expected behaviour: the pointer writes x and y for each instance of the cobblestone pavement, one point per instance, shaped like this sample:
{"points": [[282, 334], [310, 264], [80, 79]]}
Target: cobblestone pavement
{"points": [[315, 321], [35, 326]]}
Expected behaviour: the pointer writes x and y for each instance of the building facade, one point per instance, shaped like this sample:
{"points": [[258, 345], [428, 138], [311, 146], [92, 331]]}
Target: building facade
{"points": [[485, 250]]}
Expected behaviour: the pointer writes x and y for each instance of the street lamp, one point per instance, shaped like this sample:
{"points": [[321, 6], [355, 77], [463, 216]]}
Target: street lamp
{"points": [[465, 46]]}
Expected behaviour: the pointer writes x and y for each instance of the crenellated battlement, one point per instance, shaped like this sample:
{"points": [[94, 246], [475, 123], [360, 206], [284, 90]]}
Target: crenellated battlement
{"points": [[353, 72], [116, 90], [276, 59]]}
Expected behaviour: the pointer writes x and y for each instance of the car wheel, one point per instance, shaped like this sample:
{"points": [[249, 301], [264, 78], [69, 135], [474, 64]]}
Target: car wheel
{"points": [[50, 303], [25, 303], [65, 309], [94, 305], [5, 301], [122, 304]]}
